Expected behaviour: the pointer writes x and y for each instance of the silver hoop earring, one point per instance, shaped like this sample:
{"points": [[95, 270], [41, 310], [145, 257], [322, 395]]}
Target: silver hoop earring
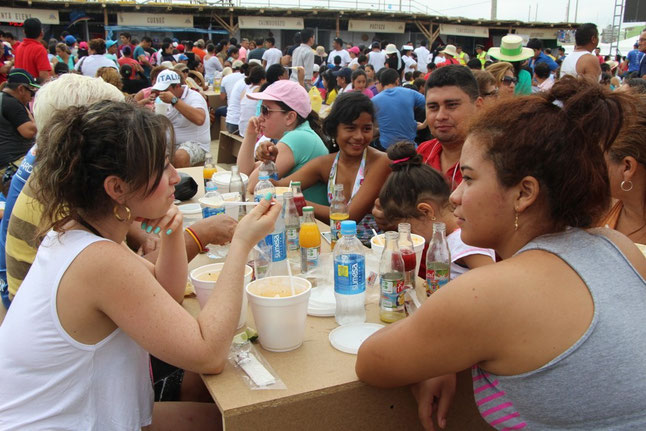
{"points": [[630, 185]]}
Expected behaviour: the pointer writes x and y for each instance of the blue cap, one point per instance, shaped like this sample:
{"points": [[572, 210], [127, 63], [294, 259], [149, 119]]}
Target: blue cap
{"points": [[263, 177], [70, 40], [348, 227], [110, 43], [182, 57]]}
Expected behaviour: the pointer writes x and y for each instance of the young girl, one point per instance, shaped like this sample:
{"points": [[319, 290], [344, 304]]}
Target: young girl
{"points": [[418, 194], [359, 83], [92, 309], [360, 168]]}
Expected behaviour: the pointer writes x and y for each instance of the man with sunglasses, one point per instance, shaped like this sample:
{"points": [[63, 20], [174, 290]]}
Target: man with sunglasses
{"points": [[17, 126]]}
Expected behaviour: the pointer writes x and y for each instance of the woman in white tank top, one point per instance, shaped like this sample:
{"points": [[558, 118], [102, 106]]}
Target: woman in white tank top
{"points": [[90, 308]]}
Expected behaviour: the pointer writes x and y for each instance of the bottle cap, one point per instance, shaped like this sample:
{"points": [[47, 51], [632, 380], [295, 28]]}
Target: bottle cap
{"points": [[438, 226], [308, 209], [348, 227], [263, 177], [296, 183]]}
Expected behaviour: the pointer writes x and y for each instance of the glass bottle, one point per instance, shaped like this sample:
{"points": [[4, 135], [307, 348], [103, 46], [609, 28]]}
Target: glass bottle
{"points": [[338, 212], [438, 260], [391, 276]]}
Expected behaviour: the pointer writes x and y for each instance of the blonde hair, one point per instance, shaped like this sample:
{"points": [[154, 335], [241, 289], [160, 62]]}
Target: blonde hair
{"points": [[78, 90], [63, 47], [499, 69], [226, 71], [111, 76]]}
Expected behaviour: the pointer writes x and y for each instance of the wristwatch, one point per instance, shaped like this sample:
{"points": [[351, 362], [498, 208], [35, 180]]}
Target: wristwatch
{"points": [[174, 100]]}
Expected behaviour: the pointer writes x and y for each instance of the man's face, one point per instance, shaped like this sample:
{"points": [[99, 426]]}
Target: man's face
{"points": [[642, 42], [597, 51], [448, 110], [245, 44], [25, 94], [124, 40], [337, 46], [537, 52], [112, 49], [340, 82], [458, 49]]}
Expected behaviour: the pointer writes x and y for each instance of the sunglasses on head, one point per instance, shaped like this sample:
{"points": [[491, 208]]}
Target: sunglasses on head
{"points": [[264, 110], [508, 80]]}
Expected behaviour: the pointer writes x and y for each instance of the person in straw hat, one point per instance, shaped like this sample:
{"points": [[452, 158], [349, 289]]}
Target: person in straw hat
{"points": [[450, 54], [511, 50]]}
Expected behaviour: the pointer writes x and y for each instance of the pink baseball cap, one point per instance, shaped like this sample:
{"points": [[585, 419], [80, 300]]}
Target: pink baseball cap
{"points": [[290, 93], [355, 50], [83, 45]]}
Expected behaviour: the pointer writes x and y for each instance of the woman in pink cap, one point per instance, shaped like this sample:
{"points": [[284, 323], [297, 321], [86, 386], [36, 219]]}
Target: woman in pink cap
{"points": [[354, 55], [286, 117]]}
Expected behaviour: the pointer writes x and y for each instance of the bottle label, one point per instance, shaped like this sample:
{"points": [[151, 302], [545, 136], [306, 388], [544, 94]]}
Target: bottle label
{"points": [[278, 246], [350, 274], [436, 278], [392, 294], [274, 176], [309, 258], [211, 211], [335, 229], [292, 238]]}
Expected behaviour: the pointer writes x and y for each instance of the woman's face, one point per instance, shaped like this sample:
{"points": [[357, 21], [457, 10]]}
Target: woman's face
{"points": [[507, 84], [483, 207], [59, 52], [273, 119], [354, 138], [370, 72], [359, 83], [162, 197]]}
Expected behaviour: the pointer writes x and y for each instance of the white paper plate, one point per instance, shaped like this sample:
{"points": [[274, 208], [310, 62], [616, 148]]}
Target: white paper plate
{"points": [[348, 338], [322, 302]]}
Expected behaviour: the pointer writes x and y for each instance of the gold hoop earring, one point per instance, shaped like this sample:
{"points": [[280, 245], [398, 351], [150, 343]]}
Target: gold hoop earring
{"points": [[630, 187], [516, 222], [433, 218], [115, 211]]}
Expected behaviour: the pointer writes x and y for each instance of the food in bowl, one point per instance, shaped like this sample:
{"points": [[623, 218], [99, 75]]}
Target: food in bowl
{"points": [[273, 288], [208, 276]]}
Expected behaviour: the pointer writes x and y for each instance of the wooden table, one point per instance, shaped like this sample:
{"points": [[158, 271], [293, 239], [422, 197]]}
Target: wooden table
{"points": [[323, 392]]}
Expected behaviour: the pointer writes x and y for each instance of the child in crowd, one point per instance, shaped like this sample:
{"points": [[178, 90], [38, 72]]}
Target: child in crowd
{"points": [[359, 82], [418, 194]]}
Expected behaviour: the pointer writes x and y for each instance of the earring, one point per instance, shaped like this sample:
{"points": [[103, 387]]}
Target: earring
{"points": [[630, 187], [115, 211], [516, 222]]}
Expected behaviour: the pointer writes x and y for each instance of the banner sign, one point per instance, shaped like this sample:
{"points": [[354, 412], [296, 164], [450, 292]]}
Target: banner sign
{"points": [[464, 30], [271, 22], [154, 19], [8, 14], [376, 26]]}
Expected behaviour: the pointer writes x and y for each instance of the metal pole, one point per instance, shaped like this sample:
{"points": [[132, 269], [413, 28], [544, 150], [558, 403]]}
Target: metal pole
{"points": [[567, 11], [536, 13], [529, 14], [494, 9], [576, 10]]}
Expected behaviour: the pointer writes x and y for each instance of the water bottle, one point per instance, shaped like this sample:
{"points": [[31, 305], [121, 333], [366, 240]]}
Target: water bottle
{"points": [[161, 107], [212, 202], [438, 260], [408, 254], [237, 185], [349, 276], [338, 212], [276, 240], [391, 281], [263, 187], [270, 168], [292, 227]]}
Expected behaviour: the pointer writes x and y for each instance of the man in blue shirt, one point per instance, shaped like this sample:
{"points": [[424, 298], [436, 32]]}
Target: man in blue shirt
{"points": [[642, 48], [395, 109], [634, 58], [539, 55]]}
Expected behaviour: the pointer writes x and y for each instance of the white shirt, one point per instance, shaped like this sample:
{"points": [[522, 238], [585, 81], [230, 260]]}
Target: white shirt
{"points": [[439, 59], [52, 381], [248, 108], [272, 56], [345, 57], [90, 64], [303, 56], [409, 63], [354, 63], [233, 102], [185, 130], [344, 90], [459, 250], [211, 66], [568, 67], [229, 81], [377, 59], [422, 57]]}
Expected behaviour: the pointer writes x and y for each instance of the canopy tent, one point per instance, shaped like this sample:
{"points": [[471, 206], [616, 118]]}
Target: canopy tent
{"points": [[111, 29]]}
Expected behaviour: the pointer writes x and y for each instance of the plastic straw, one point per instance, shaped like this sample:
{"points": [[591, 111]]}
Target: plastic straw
{"points": [[374, 232], [291, 281]]}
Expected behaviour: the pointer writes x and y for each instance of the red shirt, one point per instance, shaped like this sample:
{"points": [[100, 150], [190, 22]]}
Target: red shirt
{"points": [[132, 63], [199, 52], [31, 55], [448, 61], [431, 152]]}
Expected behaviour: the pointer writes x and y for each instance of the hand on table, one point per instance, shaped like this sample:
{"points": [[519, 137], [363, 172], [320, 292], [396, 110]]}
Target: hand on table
{"points": [[258, 223], [434, 395], [266, 151]]}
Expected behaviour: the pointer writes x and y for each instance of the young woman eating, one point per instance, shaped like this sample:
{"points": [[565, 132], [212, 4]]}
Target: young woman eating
{"points": [[91, 308], [555, 330]]}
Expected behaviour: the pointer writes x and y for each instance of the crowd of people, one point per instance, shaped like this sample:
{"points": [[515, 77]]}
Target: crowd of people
{"points": [[534, 163]]}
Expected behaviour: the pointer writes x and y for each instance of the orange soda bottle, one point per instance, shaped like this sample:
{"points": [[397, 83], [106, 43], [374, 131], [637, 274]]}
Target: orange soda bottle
{"points": [[310, 241], [209, 168]]}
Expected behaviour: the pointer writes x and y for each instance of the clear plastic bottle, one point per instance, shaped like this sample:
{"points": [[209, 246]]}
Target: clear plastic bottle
{"points": [[237, 185], [349, 276], [292, 227], [438, 260], [310, 242], [270, 168], [391, 281], [263, 187], [408, 254], [338, 212], [299, 199], [277, 241], [212, 202], [209, 168]]}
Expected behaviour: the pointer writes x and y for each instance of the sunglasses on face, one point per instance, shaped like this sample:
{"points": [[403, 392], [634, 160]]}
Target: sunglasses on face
{"points": [[264, 110], [32, 92], [508, 80]]}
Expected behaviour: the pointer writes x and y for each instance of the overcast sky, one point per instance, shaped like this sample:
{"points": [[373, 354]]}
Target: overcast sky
{"points": [[597, 11]]}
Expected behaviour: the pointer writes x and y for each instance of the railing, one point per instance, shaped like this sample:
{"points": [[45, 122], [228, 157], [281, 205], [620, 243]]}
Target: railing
{"points": [[391, 6]]}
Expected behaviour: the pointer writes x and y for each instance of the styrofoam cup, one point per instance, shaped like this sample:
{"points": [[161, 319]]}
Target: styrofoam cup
{"points": [[280, 321], [203, 288], [377, 244], [222, 179]]}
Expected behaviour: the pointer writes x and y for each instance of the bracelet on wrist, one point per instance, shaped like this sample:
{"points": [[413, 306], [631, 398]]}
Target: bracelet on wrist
{"points": [[193, 235]]}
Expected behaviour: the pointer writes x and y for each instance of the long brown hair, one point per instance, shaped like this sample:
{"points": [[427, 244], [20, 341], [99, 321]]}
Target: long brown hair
{"points": [[82, 145], [558, 139]]}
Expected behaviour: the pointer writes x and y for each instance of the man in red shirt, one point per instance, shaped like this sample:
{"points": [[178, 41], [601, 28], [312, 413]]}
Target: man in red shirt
{"points": [[198, 49], [126, 58], [450, 52], [451, 100], [31, 55]]}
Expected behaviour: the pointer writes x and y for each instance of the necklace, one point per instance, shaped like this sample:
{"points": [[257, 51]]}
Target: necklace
{"points": [[89, 227]]}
